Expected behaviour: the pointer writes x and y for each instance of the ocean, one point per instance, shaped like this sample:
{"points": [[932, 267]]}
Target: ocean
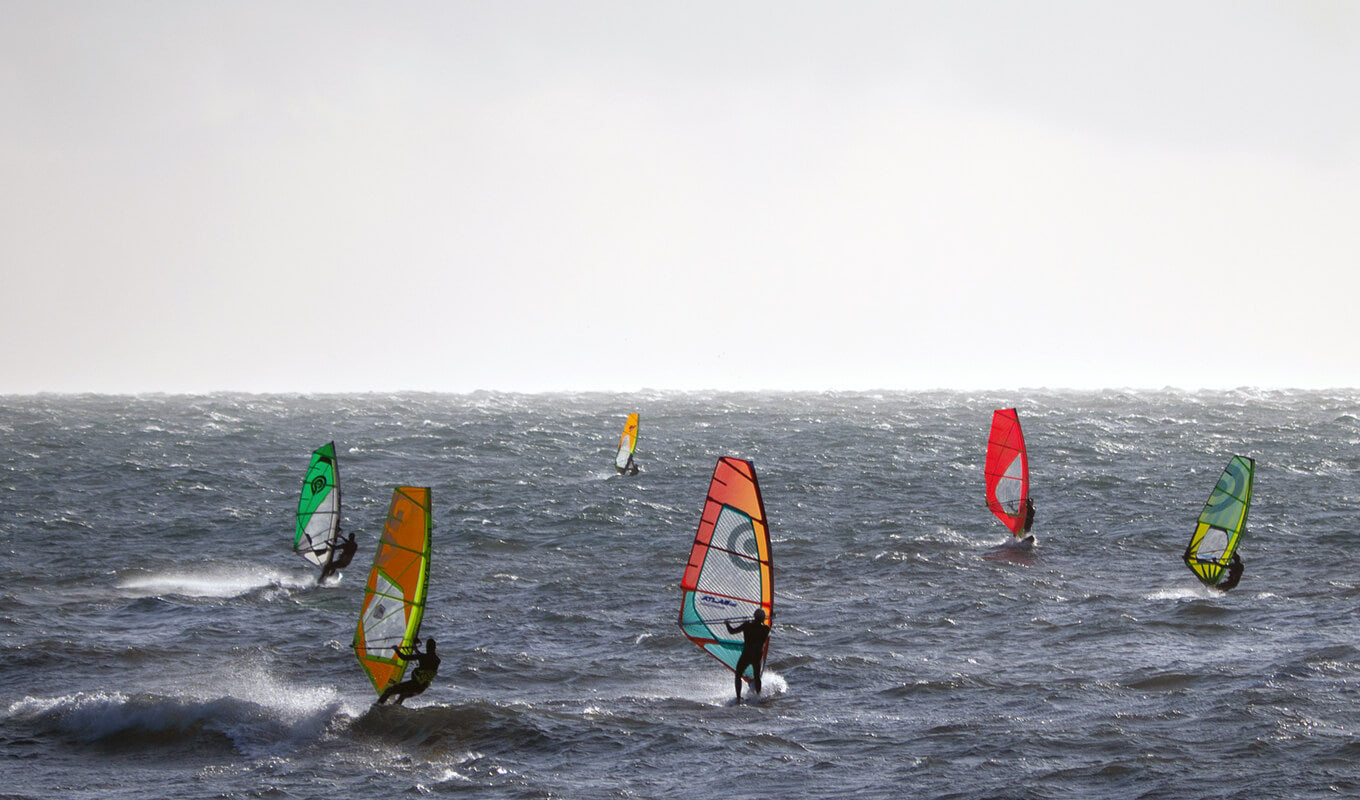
{"points": [[158, 638]]}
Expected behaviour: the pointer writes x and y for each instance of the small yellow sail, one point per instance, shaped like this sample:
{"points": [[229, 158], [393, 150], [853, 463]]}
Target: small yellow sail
{"points": [[623, 459]]}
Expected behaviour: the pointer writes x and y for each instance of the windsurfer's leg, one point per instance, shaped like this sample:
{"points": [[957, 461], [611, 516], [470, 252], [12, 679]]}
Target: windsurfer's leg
{"points": [[742, 664], [398, 689], [755, 680]]}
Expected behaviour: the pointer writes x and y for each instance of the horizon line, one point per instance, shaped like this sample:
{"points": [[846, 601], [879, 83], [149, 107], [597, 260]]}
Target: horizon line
{"points": [[1168, 388]]}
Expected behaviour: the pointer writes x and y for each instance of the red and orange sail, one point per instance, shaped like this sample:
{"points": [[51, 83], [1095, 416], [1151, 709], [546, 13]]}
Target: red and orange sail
{"points": [[730, 572], [1007, 470]]}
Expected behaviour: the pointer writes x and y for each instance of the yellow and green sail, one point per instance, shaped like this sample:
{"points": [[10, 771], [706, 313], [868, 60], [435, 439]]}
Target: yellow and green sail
{"points": [[318, 512], [394, 598], [623, 458], [1222, 522]]}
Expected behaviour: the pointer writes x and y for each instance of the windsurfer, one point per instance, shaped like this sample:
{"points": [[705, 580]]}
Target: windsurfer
{"points": [[1029, 513], [756, 633], [1234, 574], [344, 553], [427, 664]]}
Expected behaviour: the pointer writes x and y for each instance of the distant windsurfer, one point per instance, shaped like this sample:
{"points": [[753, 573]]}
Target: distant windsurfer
{"points": [[344, 550], [1234, 574], [756, 633], [427, 664], [1027, 541]]}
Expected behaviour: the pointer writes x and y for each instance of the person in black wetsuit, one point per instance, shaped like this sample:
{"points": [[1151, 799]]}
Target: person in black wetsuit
{"points": [[756, 632], [1235, 568], [1029, 513], [345, 550], [427, 664]]}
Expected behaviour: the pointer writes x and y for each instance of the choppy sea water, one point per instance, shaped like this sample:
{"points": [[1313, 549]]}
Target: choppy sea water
{"points": [[159, 639]]}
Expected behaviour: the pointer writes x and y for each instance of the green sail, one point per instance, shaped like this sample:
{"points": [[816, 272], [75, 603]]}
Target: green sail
{"points": [[1222, 522], [318, 513]]}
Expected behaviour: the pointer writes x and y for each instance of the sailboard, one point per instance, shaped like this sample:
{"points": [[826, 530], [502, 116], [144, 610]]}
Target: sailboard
{"points": [[318, 512], [1219, 528], [623, 459], [730, 572], [394, 598], [1007, 471]]}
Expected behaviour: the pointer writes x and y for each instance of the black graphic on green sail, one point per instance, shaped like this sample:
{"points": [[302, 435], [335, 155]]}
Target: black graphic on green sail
{"points": [[318, 513], [1222, 522]]}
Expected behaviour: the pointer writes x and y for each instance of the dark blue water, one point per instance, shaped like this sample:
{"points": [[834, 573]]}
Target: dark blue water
{"points": [[159, 639]]}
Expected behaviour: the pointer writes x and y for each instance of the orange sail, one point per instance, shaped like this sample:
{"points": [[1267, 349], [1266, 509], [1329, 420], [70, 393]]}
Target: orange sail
{"points": [[623, 458], [394, 599], [730, 572]]}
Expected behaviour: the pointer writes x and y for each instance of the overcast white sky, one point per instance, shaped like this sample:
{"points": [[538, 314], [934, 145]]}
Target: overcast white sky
{"points": [[330, 196]]}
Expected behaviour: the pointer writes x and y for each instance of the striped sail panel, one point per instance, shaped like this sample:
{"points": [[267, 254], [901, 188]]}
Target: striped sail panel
{"points": [[394, 598], [730, 572], [627, 443], [1222, 522], [318, 513], [1007, 470]]}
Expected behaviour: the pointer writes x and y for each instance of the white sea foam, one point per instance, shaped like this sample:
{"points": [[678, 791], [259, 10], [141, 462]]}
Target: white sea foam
{"points": [[219, 582], [1179, 593]]}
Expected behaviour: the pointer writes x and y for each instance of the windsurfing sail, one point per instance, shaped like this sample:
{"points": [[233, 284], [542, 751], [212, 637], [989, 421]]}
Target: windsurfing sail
{"points": [[1222, 521], [623, 459], [318, 513], [1007, 470], [730, 572], [394, 599]]}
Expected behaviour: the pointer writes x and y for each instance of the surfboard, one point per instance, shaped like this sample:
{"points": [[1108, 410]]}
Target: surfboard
{"points": [[623, 458], [730, 572], [394, 598], [318, 511], [1221, 524], [1007, 471]]}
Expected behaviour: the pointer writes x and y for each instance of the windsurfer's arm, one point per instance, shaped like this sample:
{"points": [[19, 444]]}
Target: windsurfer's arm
{"points": [[731, 629]]}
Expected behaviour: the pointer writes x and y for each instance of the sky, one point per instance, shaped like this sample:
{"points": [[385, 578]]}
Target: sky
{"points": [[531, 195]]}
